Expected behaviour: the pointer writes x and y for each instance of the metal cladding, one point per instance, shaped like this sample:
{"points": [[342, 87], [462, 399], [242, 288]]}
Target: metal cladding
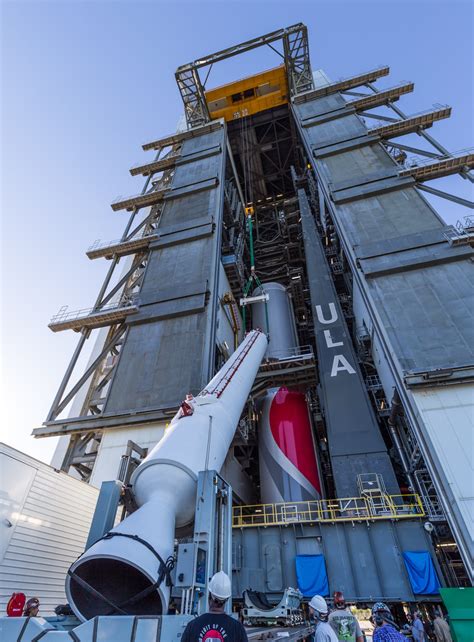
{"points": [[355, 443], [288, 466], [281, 328], [164, 486]]}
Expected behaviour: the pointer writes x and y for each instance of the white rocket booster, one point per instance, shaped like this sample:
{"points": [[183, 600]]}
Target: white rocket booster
{"points": [[127, 562]]}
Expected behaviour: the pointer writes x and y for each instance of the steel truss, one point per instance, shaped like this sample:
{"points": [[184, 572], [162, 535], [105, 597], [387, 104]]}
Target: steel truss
{"points": [[83, 445], [295, 55], [264, 150], [404, 440], [441, 153]]}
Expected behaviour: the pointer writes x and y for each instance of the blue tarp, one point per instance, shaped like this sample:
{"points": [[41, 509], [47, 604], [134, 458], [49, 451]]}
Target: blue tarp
{"points": [[311, 575], [422, 573]]}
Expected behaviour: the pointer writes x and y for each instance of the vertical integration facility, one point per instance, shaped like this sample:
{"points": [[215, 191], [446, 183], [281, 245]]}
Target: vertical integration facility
{"points": [[296, 206]]}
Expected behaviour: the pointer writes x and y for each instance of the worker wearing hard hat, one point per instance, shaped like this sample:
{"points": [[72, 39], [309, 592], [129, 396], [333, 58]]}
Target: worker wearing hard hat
{"points": [[319, 611], [216, 624]]}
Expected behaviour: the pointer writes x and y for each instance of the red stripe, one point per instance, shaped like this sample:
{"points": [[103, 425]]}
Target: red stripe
{"points": [[291, 429]]}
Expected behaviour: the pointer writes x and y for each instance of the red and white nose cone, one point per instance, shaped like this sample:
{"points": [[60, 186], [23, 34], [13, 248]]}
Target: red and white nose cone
{"points": [[288, 465]]}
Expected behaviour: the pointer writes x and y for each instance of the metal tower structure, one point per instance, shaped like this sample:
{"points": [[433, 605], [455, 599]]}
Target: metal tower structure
{"points": [[319, 174]]}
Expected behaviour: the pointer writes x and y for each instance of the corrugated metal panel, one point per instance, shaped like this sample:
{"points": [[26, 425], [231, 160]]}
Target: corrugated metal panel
{"points": [[448, 417], [50, 528]]}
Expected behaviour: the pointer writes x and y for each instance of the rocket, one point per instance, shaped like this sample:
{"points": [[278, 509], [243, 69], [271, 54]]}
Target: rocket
{"points": [[287, 453], [126, 569]]}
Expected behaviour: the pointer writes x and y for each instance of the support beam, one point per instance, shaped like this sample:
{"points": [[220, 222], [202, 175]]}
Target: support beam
{"points": [[388, 119], [78, 385], [413, 150], [464, 172], [448, 197]]}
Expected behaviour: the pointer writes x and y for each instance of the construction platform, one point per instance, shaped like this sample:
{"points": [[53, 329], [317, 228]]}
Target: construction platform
{"points": [[90, 317], [295, 368], [109, 249]]}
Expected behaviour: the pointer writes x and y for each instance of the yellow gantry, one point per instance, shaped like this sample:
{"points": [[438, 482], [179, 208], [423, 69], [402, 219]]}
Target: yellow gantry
{"points": [[250, 95]]}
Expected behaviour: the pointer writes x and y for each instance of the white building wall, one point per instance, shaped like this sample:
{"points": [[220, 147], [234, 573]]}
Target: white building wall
{"points": [[45, 517], [448, 415], [113, 446]]}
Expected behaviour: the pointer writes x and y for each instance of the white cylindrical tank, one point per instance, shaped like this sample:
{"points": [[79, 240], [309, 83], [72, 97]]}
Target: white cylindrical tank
{"points": [[281, 321], [287, 454], [127, 562]]}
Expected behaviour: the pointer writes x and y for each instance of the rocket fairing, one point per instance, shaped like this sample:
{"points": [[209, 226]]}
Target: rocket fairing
{"points": [[288, 466]]}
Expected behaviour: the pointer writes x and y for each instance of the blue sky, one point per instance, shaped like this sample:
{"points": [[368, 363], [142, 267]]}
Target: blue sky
{"points": [[84, 84]]}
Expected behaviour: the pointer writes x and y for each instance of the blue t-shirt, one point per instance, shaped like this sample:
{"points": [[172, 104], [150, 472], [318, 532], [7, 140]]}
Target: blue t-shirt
{"points": [[418, 630], [387, 633]]}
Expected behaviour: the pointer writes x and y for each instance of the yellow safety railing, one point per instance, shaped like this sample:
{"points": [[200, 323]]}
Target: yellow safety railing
{"points": [[348, 509]]}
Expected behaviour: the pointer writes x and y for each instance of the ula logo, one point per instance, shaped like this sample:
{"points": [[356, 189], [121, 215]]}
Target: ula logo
{"points": [[339, 362]]}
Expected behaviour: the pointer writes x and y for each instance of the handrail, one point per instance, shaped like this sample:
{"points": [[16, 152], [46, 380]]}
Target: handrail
{"points": [[296, 352], [64, 315], [348, 509], [436, 107], [413, 162], [100, 245]]}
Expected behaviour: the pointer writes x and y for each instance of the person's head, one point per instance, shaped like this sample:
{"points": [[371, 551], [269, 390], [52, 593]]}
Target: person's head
{"points": [[32, 607], [220, 590], [339, 601], [381, 614], [318, 608]]}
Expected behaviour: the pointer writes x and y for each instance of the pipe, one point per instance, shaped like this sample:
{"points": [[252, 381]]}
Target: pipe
{"points": [[125, 563]]}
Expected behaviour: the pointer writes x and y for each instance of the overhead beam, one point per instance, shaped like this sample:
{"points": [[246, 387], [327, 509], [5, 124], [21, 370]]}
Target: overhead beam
{"points": [[297, 64], [248, 45]]}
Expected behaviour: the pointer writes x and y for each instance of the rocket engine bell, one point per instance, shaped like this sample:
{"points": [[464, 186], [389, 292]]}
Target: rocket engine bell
{"points": [[287, 456]]}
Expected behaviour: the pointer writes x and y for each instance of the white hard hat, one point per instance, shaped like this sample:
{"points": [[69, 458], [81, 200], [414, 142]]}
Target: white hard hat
{"points": [[220, 586], [318, 603]]}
